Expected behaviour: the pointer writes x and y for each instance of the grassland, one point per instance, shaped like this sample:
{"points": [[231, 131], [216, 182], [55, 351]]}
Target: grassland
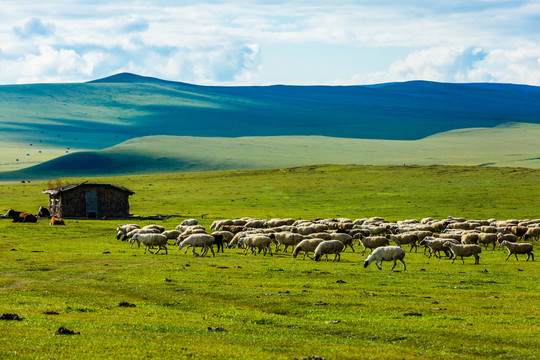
{"points": [[272, 307]]}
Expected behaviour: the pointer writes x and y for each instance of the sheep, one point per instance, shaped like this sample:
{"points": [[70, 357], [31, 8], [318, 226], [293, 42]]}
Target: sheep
{"points": [[171, 234], [306, 246], [519, 231], [235, 229], [386, 253], [285, 238], [154, 226], [197, 229], [487, 238], [124, 229], [532, 234], [518, 248], [322, 235], [130, 234], [435, 246], [506, 237], [469, 238], [329, 247], [372, 242], [403, 239], [149, 240], [189, 222], [346, 239], [260, 242], [256, 224], [199, 240], [306, 230], [464, 250]]}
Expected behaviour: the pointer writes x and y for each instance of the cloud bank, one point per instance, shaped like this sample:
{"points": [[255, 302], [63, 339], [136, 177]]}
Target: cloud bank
{"points": [[248, 42]]}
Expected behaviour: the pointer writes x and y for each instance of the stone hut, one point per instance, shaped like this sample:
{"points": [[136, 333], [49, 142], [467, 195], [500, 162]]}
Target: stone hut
{"points": [[90, 201]]}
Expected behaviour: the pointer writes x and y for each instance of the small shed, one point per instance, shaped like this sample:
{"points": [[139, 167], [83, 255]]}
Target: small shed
{"points": [[89, 200]]}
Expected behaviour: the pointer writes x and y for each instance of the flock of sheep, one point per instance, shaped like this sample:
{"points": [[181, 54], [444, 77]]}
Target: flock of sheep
{"points": [[455, 237]]}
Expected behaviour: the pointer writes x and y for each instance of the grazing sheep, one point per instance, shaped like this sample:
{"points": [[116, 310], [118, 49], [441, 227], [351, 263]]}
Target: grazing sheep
{"points": [[346, 239], [518, 248], [532, 234], [469, 238], [436, 245], [199, 240], [506, 237], [154, 226], [122, 230], [464, 251], [287, 239], [235, 229], [56, 221], [403, 239], [256, 224], [372, 242], [306, 246], [196, 229], [306, 230], [260, 242], [150, 240], [171, 234], [386, 253], [487, 238], [189, 222], [329, 247], [519, 231], [130, 234]]}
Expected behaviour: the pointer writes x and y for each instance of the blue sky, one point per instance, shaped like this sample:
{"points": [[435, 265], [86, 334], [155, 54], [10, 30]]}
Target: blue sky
{"points": [[262, 42]]}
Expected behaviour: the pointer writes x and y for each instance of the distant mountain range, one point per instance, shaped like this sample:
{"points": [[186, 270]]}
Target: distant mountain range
{"points": [[39, 122]]}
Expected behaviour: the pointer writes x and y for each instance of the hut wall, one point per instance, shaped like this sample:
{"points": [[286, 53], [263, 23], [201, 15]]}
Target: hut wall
{"points": [[112, 203]]}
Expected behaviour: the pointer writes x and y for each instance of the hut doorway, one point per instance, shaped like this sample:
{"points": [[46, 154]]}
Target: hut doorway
{"points": [[91, 204]]}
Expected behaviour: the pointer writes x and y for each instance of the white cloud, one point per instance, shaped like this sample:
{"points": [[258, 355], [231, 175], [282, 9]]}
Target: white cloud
{"points": [[220, 42]]}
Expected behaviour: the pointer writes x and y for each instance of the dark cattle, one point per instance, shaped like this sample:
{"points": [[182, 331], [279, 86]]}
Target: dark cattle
{"points": [[19, 216], [43, 212]]}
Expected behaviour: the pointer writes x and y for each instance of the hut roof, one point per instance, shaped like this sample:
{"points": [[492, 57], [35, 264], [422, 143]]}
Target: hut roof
{"points": [[72, 187]]}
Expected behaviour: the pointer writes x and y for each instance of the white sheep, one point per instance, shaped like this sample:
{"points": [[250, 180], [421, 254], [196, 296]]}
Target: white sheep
{"points": [[154, 226], [532, 234], [329, 247], [150, 240], [403, 239], [199, 240], [171, 234], [124, 229], [130, 234], [287, 239], [462, 250], [346, 239], [518, 248], [189, 222], [306, 246], [260, 242], [372, 242], [487, 238], [386, 253], [436, 245]]}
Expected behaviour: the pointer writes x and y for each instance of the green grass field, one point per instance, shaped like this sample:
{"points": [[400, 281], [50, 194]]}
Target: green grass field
{"points": [[272, 307]]}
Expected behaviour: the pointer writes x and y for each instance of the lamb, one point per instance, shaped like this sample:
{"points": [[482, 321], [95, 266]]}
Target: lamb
{"points": [[487, 238], [329, 247], [149, 240], [372, 242], [260, 242], [286, 238], [464, 250], [403, 239], [386, 253], [199, 240], [346, 239], [306, 246], [532, 234], [518, 248], [124, 229]]}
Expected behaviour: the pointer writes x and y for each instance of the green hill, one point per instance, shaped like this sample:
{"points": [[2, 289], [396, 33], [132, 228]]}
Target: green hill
{"points": [[507, 145], [41, 122]]}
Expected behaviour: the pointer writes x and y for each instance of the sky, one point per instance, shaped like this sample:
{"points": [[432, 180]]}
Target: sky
{"points": [[265, 42]]}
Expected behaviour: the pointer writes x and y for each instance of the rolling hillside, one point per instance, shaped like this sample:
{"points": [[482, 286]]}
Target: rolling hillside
{"points": [[506, 145], [41, 122]]}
